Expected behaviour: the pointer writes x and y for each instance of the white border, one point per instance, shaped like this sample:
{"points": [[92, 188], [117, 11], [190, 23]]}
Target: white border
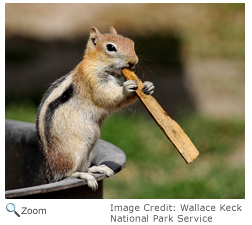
{"points": [[98, 211]]}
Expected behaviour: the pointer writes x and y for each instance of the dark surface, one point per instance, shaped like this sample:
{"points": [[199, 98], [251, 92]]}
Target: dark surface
{"points": [[23, 175], [22, 156]]}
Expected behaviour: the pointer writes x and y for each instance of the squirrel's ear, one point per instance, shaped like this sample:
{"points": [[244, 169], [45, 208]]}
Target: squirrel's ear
{"points": [[94, 35], [112, 30]]}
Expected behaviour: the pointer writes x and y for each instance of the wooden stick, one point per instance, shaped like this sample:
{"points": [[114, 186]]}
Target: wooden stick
{"points": [[171, 129]]}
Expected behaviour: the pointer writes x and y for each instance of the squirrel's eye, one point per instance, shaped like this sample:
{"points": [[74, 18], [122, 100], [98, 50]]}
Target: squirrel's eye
{"points": [[111, 48]]}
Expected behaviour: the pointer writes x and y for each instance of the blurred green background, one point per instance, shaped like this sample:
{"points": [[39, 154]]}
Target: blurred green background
{"points": [[194, 54]]}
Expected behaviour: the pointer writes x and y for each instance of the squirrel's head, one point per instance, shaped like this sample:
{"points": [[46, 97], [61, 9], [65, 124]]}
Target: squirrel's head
{"points": [[111, 50]]}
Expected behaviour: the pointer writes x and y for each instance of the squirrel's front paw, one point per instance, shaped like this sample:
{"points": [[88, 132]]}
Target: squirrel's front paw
{"points": [[148, 88], [130, 86]]}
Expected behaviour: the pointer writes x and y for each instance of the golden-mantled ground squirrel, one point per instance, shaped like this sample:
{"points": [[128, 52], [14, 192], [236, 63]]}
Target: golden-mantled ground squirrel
{"points": [[72, 110]]}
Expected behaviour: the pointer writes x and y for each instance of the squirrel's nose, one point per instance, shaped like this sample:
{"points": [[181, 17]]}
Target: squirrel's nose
{"points": [[133, 62]]}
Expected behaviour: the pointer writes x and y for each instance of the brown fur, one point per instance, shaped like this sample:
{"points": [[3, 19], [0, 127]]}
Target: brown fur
{"points": [[69, 122]]}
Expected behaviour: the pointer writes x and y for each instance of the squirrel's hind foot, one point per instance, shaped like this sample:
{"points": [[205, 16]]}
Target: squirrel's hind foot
{"points": [[91, 181], [101, 169]]}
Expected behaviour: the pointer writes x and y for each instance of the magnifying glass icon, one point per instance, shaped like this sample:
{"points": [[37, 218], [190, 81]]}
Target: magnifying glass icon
{"points": [[11, 208]]}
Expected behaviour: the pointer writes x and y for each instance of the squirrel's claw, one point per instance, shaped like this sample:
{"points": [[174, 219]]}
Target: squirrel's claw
{"points": [[130, 86], [148, 88]]}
